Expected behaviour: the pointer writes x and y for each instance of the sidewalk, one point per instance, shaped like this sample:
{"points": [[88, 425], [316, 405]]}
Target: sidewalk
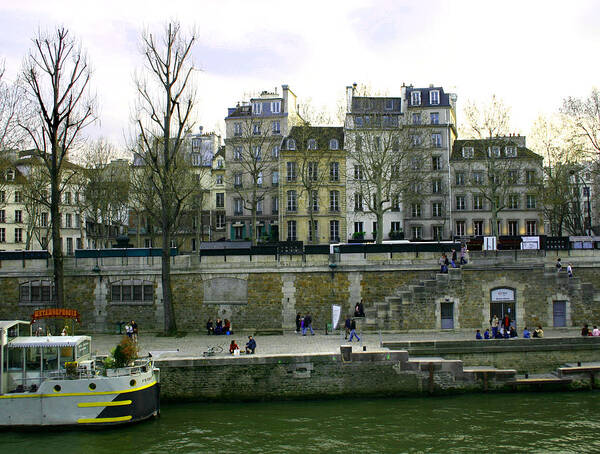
{"points": [[193, 345]]}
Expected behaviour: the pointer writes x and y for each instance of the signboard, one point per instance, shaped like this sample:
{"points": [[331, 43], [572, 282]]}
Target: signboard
{"points": [[55, 313], [489, 243], [530, 242], [335, 315], [503, 294]]}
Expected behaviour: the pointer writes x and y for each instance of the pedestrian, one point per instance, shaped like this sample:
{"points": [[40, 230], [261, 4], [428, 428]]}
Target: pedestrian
{"points": [[134, 328], [463, 253], [453, 262], [347, 324], [353, 331], [478, 335], [506, 322], [585, 331], [361, 309], [298, 317], [302, 324], [486, 334], [570, 270], [129, 330], [538, 332], [558, 265], [596, 331], [513, 332], [308, 325], [526, 333], [233, 347], [210, 329], [495, 322], [443, 264], [250, 345]]}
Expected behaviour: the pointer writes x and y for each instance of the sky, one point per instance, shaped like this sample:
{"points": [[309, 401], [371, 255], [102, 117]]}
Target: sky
{"points": [[530, 53]]}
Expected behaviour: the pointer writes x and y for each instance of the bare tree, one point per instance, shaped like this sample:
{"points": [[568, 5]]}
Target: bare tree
{"points": [[165, 105], [585, 116], [56, 75]]}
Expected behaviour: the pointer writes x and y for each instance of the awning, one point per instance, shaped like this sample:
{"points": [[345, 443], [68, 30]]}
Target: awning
{"points": [[55, 313], [47, 341]]}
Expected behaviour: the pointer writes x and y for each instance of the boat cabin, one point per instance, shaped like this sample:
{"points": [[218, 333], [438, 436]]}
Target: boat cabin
{"points": [[26, 361]]}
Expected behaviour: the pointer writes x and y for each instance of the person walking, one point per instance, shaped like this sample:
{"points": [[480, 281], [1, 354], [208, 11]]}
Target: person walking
{"points": [[347, 325], [134, 328], [308, 325], [495, 323], [353, 331], [558, 265], [570, 270], [463, 252], [298, 319]]}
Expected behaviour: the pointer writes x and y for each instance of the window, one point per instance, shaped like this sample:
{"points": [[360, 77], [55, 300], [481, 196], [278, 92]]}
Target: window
{"points": [[358, 172], [416, 118], [510, 152], [238, 232], [291, 144], [417, 232], [512, 176], [468, 152], [358, 122], [396, 203], [238, 206], [275, 152], [132, 290], [220, 202], [530, 201], [2, 235], [460, 228], [477, 177], [18, 197], [68, 220], [259, 207], [237, 129], [220, 221], [395, 171], [313, 169], [416, 140], [257, 152], [359, 227], [256, 129], [478, 228], [292, 202], [396, 226], [334, 171], [460, 178], [10, 174], [276, 107], [436, 209], [256, 108], [275, 178], [334, 231], [436, 186], [358, 202], [434, 97], [477, 202], [434, 118], [18, 216], [275, 204], [219, 179], [2, 216], [18, 235], [531, 228], [237, 153], [275, 127], [415, 210], [237, 180], [460, 202], [67, 198], [494, 152], [313, 231], [334, 144], [437, 232], [36, 292], [291, 171], [530, 176], [389, 104], [2, 196], [436, 140], [334, 201], [513, 228], [513, 201], [415, 98], [77, 223], [436, 163], [220, 164], [291, 228], [586, 191], [312, 144], [69, 246], [314, 201]]}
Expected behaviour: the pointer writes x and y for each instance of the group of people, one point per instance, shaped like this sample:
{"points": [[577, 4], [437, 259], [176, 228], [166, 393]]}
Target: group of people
{"points": [[359, 309], [350, 326], [569, 267], [586, 331], [234, 348], [304, 324], [503, 329], [445, 262], [219, 327], [131, 329]]}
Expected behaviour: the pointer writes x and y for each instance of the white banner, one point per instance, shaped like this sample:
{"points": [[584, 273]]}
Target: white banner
{"points": [[335, 315], [503, 294]]}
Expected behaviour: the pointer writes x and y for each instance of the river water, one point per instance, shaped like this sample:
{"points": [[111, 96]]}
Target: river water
{"points": [[476, 423]]}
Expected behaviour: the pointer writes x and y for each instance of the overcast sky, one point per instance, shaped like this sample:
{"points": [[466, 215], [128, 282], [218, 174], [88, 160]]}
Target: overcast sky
{"points": [[529, 53]]}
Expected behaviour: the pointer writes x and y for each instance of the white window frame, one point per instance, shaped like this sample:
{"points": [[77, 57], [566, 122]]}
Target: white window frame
{"points": [[434, 97], [275, 107], [256, 108], [415, 98], [468, 152]]}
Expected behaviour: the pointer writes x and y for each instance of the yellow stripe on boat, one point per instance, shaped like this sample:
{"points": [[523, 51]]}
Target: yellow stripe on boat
{"points": [[115, 403], [97, 420], [101, 393]]}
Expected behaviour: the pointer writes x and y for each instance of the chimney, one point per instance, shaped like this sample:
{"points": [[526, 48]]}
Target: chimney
{"points": [[201, 129], [349, 94]]}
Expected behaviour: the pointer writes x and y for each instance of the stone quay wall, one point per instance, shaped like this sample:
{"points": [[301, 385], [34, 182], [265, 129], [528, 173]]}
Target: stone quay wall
{"points": [[401, 291]]}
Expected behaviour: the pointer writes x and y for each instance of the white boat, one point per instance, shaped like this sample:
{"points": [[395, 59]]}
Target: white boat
{"points": [[55, 381]]}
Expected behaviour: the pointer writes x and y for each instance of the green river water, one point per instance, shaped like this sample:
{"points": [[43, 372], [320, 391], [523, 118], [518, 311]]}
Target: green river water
{"points": [[477, 423]]}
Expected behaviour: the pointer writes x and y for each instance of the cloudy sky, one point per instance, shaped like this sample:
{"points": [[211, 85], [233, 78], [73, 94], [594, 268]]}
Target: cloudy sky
{"points": [[529, 53]]}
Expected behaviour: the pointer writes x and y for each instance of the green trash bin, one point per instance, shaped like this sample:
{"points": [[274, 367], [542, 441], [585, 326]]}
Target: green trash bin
{"points": [[328, 328]]}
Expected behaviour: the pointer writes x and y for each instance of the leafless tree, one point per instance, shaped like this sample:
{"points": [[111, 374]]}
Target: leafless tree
{"points": [[56, 77], [585, 116], [164, 111]]}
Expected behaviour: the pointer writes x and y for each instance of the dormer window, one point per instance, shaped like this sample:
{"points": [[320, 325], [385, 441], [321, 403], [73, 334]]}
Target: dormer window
{"points": [[468, 152], [389, 104], [494, 152], [276, 107], [312, 144], [291, 144], [334, 144], [10, 175], [510, 152], [415, 98], [220, 164], [434, 97], [256, 108]]}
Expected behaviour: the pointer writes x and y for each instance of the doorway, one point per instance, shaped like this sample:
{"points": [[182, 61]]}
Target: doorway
{"points": [[447, 315], [559, 313]]}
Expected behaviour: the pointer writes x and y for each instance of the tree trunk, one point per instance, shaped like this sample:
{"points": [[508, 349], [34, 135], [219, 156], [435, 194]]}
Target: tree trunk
{"points": [[57, 256], [379, 237], [170, 324]]}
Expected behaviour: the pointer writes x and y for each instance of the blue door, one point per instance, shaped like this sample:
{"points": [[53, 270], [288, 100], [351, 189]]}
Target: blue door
{"points": [[559, 311], [447, 310]]}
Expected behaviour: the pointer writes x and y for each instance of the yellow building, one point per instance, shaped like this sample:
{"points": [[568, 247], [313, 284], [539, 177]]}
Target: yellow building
{"points": [[312, 190]]}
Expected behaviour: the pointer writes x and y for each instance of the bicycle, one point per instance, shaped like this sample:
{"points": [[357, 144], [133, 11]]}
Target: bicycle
{"points": [[213, 350]]}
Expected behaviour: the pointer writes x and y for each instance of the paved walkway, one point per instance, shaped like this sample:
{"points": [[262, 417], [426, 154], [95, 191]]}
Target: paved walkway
{"points": [[193, 345]]}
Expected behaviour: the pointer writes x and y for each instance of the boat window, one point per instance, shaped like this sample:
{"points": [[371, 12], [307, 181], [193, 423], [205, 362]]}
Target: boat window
{"points": [[50, 358], [66, 355], [34, 358], [15, 359]]}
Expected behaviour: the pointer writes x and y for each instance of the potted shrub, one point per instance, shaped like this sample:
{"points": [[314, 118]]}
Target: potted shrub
{"points": [[397, 235], [358, 236]]}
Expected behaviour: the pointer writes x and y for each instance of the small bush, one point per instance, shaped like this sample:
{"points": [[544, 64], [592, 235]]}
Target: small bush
{"points": [[125, 352], [71, 368]]}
